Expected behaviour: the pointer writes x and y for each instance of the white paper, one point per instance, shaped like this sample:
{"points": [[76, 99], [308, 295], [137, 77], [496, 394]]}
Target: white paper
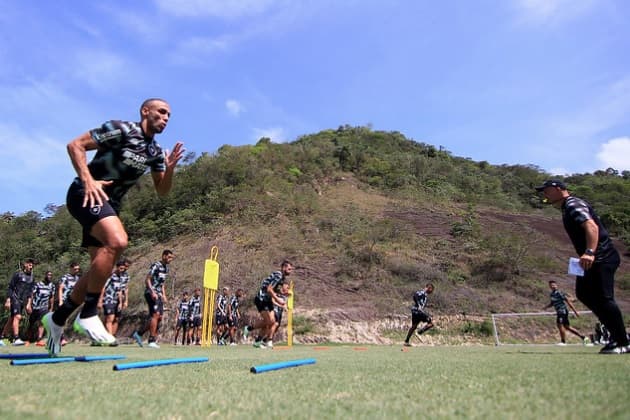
{"points": [[574, 267]]}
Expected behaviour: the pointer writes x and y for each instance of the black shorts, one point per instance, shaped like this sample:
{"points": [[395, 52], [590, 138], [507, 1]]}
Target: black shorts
{"points": [[16, 307], [278, 314], [182, 323], [233, 321], [37, 315], [110, 308], [87, 216], [155, 306], [263, 305], [196, 322], [420, 316], [220, 319], [562, 318]]}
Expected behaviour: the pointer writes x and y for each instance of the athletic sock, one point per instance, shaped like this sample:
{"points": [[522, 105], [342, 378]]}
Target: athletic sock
{"points": [[61, 315], [90, 306]]}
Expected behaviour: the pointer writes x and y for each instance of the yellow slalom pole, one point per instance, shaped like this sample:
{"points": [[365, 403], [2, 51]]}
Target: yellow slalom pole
{"points": [[210, 287], [290, 316]]}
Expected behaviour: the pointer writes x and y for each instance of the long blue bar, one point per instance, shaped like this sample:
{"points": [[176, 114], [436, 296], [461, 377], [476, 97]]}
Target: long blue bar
{"points": [[42, 361], [160, 362], [281, 365]]}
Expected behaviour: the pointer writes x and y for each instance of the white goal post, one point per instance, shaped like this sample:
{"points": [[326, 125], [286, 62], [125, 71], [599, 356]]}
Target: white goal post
{"points": [[495, 317]]}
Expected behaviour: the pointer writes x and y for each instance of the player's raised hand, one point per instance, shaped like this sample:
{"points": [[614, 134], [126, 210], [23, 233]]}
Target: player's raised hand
{"points": [[172, 158]]}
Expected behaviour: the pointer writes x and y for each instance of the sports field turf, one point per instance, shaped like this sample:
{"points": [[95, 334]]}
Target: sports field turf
{"points": [[347, 381]]}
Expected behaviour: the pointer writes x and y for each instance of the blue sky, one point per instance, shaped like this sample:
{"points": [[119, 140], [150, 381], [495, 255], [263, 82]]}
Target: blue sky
{"points": [[542, 82]]}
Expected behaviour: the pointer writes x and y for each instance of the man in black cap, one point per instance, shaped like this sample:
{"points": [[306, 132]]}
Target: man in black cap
{"points": [[598, 258]]}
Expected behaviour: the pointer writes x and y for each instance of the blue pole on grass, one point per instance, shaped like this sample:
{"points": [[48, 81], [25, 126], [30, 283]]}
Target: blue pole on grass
{"points": [[45, 360], [159, 362], [281, 365]]}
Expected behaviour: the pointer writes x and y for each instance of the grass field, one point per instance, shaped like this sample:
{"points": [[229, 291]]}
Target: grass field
{"points": [[347, 381]]}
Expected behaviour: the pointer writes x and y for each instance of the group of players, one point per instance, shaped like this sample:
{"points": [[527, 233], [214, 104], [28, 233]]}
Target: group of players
{"points": [[25, 296], [37, 298]]}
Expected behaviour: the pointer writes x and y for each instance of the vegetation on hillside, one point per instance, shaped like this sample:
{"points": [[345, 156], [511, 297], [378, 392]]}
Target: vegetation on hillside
{"points": [[252, 189]]}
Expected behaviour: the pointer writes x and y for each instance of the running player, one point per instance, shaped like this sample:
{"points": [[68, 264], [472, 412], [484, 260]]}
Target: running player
{"points": [[560, 302], [418, 314], [264, 303], [124, 151]]}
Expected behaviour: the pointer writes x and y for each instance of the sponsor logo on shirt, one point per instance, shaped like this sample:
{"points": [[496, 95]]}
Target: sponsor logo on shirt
{"points": [[134, 160]]}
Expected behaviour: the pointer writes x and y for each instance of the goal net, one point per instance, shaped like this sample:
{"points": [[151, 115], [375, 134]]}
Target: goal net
{"points": [[539, 327]]}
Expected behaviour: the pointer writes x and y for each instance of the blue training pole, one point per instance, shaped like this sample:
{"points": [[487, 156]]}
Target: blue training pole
{"points": [[281, 365], [14, 356], [42, 361], [161, 362]]}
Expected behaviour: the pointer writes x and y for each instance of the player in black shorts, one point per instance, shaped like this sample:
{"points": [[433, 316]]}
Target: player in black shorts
{"points": [[264, 303], [43, 299], [124, 151], [19, 298], [561, 304], [195, 313], [111, 298], [182, 316], [221, 316], [155, 295], [234, 316], [418, 314]]}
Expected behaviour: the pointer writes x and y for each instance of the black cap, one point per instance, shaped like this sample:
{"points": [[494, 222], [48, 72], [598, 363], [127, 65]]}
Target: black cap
{"points": [[551, 183]]}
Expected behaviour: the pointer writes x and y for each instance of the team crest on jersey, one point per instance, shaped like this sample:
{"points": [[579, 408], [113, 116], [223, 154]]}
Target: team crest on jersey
{"points": [[95, 210], [151, 150]]}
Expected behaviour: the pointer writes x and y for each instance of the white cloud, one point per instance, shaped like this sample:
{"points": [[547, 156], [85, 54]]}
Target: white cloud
{"points": [[234, 107], [546, 11], [276, 134], [32, 159], [615, 153], [217, 8], [102, 69], [196, 49]]}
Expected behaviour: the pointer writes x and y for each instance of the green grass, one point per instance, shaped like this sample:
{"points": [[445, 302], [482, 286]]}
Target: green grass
{"points": [[347, 381]]}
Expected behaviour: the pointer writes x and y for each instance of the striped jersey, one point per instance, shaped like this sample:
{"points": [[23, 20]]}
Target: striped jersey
{"points": [[123, 156], [195, 307], [158, 273], [184, 309], [42, 293], [419, 300], [275, 279], [112, 287], [68, 281], [558, 299], [222, 302]]}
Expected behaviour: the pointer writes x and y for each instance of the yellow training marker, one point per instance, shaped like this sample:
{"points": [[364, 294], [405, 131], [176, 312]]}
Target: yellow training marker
{"points": [[210, 287]]}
